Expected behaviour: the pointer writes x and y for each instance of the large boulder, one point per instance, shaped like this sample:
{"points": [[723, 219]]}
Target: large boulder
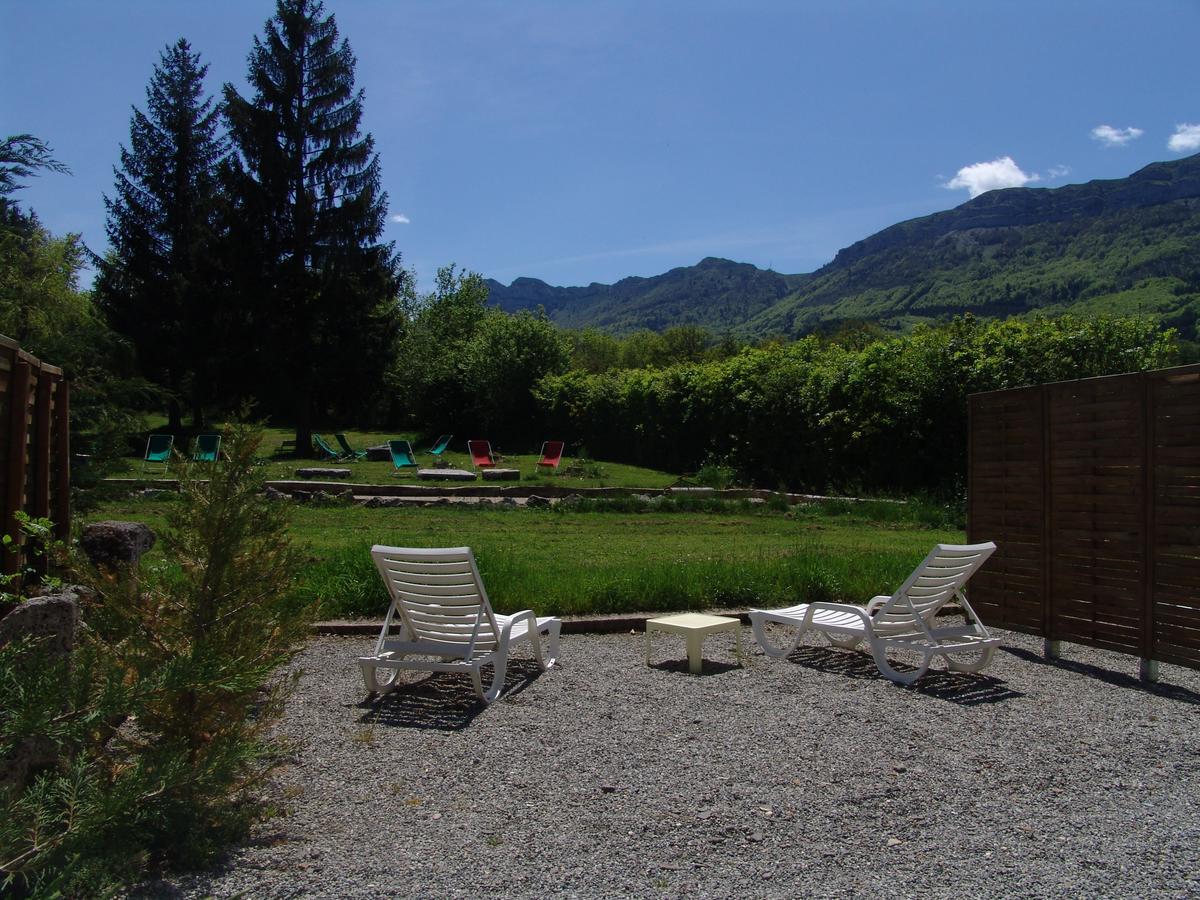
{"points": [[111, 544]]}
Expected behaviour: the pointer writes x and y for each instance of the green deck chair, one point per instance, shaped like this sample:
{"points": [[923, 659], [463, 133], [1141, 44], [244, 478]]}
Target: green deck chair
{"points": [[402, 455], [440, 445], [158, 450], [207, 449], [325, 450], [350, 452]]}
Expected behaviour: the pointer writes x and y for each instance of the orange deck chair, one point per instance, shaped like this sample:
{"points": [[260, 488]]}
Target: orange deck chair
{"points": [[552, 452], [481, 455]]}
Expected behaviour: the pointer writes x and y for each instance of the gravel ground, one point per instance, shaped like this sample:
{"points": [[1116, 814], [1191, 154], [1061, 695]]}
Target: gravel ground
{"points": [[811, 776]]}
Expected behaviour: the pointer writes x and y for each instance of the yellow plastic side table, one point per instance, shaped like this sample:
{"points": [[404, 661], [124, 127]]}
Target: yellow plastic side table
{"points": [[695, 627]]}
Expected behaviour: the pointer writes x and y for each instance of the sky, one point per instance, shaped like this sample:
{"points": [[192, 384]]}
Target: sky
{"points": [[582, 142]]}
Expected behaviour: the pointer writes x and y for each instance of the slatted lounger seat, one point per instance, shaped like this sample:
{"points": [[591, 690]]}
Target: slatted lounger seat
{"points": [[903, 621], [447, 623]]}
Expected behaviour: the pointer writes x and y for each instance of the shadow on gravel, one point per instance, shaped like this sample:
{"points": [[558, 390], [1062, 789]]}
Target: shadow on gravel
{"points": [[443, 702], [1108, 676], [955, 687], [708, 667]]}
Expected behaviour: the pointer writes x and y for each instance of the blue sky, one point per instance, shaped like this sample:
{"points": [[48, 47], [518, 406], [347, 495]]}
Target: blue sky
{"points": [[580, 142]]}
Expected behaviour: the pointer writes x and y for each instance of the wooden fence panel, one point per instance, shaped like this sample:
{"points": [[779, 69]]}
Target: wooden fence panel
{"points": [[1097, 512], [1007, 505], [35, 449], [1174, 616], [1100, 543]]}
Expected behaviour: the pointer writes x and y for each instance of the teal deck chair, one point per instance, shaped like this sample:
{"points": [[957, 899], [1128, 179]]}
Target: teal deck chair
{"points": [[440, 445], [350, 452], [207, 449], [325, 450], [158, 450], [402, 455]]}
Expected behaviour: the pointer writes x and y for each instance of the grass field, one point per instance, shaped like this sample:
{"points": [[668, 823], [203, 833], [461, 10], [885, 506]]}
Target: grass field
{"points": [[573, 471], [613, 559]]}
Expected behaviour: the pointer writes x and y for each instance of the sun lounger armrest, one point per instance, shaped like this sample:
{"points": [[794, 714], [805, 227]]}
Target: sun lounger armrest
{"points": [[836, 607], [527, 614], [876, 603]]}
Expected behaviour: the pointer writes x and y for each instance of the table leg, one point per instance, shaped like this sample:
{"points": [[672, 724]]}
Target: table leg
{"points": [[647, 645], [695, 661], [738, 631]]}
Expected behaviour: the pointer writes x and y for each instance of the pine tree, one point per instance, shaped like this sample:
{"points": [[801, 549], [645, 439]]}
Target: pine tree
{"points": [[306, 216], [156, 284]]}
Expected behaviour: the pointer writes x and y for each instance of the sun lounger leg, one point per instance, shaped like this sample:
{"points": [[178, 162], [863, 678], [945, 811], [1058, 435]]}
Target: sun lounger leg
{"points": [[879, 651], [970, 660], [770, 648]]}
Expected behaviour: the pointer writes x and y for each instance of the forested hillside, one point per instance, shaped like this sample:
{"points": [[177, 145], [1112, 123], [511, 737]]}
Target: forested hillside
{"points": [[1125, 245], [716, 293]]}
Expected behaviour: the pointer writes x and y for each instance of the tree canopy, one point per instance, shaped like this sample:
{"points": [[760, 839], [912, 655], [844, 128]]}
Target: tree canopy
{"points": [[316, 284]]}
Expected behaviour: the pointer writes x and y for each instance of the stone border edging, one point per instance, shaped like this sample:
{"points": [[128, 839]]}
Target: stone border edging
{"points": [[570, 624], [553, 491]]}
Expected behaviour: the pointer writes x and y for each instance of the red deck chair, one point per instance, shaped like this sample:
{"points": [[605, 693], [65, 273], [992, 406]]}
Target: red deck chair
{"points": [[481, 454], [551, 455]]}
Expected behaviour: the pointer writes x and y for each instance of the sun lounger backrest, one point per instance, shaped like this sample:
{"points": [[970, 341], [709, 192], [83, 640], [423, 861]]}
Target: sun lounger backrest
{"points": [[481, 453], [402, 454], [552, 452], [439, 597], [933, 583], [158, 447], [208, 448]]}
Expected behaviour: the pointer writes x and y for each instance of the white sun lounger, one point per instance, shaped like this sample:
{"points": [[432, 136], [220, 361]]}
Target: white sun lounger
{"points": [[904, 620], [447, 623]]}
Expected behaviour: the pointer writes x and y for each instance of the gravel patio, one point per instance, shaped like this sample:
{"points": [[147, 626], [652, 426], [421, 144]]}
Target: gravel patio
{"points": [[812, 776]]}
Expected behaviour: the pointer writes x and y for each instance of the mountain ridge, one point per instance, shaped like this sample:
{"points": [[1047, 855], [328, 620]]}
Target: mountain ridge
{"points": [[1104, 245]]}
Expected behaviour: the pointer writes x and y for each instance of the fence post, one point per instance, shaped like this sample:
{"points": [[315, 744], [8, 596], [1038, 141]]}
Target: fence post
{"points": [[41, 456], [18, 450], [1052, 649], [62, 468], [1148, 668]]}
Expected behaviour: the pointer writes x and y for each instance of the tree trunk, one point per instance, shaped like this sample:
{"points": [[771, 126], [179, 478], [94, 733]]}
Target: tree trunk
{"points": [[174, 416], [304, 442]]}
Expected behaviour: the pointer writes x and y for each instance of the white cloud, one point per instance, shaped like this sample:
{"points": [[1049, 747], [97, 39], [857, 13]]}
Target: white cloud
{"points": [[400, 218], [981, 177], [1058, 172], [1186, 139], [1115, 137]]}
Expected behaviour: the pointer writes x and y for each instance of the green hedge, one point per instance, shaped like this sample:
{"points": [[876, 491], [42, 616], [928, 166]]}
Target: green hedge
{"points": [[818, 415]]}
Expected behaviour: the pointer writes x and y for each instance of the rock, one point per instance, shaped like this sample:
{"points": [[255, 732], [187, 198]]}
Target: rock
{"points": [[538, 502], [445, 474], [501, 474], [376, 502], [54, 616], [275, 494], [55, 619], [322, 473], [112, 544]]}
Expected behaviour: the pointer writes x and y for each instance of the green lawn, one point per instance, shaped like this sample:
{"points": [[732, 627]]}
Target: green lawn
{"points": [[572, 473], [571, 562]]}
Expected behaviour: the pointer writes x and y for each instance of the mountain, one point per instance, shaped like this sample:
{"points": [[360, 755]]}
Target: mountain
{"points": [[1121, 245], [717, 293]]}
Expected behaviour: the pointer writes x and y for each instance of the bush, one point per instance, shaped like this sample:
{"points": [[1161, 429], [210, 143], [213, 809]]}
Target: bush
{"points": [[161, 723], [819, 415]]}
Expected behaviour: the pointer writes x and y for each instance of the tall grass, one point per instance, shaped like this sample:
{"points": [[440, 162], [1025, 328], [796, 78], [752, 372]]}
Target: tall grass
{"points": [[347, 585]]}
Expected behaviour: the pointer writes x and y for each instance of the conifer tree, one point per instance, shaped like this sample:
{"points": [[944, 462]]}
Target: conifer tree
{"points": [[156, 284], [306, 216]]}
